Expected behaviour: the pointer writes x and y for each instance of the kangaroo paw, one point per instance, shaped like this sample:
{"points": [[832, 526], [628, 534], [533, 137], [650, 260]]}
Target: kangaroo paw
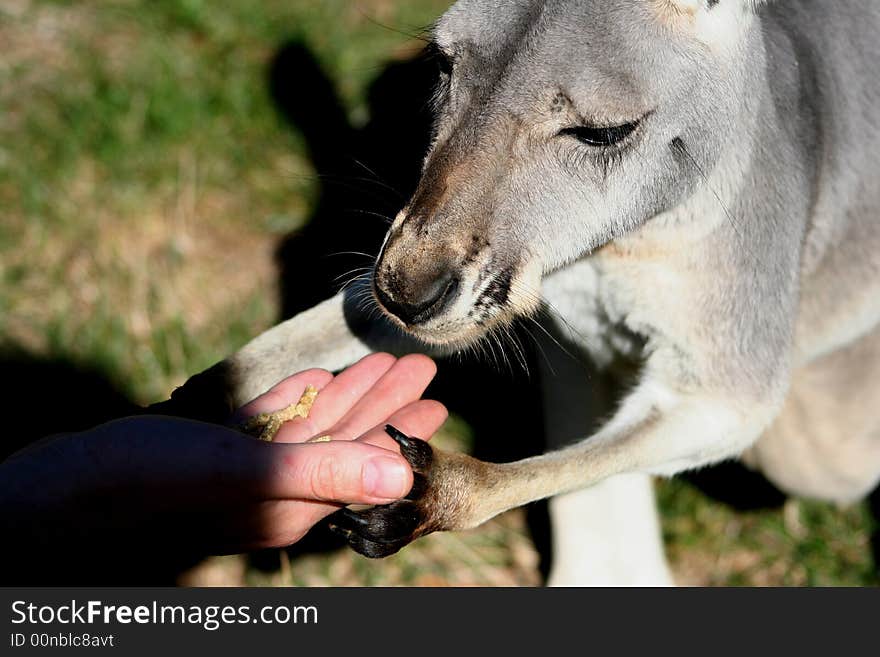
{"points": [[436, 502]]}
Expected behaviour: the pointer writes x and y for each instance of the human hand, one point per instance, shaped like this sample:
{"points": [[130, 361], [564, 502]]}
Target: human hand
{"points": [[362, 464], [200, 485]]}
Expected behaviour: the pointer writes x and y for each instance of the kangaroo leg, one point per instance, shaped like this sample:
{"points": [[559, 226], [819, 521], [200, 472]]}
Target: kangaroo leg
{"points": [[825, 444], [609, 534]]}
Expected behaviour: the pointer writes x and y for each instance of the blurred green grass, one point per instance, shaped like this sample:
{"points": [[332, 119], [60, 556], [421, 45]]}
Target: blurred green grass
{"points": [[145, 179]]}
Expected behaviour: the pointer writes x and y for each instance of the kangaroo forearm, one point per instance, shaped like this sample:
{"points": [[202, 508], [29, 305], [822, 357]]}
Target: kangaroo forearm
{"points": [[694, 433], [455, 491]]}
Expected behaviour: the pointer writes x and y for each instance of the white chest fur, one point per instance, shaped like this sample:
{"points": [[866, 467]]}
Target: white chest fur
{"points": [[614, 306]]}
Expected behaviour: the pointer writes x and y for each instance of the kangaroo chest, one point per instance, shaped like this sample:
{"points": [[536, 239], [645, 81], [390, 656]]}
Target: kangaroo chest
{"points": [[618, 308]]}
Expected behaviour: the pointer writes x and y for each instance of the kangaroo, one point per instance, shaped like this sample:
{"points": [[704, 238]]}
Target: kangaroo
{"points": [[692, 187]]}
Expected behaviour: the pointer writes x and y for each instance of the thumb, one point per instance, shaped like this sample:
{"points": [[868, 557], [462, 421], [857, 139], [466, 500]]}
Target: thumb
{"points": [[340, 471]]}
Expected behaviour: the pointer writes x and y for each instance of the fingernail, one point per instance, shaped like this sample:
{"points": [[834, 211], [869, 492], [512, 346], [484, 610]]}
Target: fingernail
{"points": [[386, 477]]}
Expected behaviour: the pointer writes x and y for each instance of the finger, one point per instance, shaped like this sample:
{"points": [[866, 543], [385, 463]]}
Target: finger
{"points": [[337, 398], [283, 394], [347, 472], [403, 384], [196, 465], [420, 419]]}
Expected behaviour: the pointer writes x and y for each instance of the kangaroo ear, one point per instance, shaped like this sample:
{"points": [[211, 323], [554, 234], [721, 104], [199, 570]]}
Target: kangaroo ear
{"points": [[713, 22], [694, 7]]}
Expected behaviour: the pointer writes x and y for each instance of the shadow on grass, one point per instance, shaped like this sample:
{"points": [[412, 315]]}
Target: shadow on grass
{"points": [[874, 507], [736, 486], [48, 396]]}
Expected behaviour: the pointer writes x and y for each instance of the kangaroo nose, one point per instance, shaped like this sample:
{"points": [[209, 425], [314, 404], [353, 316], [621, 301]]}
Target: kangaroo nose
{"points": [[421, 303]]}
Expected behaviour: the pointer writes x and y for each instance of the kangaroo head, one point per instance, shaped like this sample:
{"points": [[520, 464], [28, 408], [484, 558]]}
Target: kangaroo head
{"points": [[561, 125]]}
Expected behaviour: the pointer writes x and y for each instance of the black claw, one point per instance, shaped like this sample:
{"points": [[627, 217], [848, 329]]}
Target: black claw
{"points": [[354, 518], [401, 438], [415, 450]]}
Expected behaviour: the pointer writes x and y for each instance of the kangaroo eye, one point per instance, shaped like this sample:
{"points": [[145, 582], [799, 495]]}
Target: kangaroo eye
{"points": [[600, 136], [445, 62]]}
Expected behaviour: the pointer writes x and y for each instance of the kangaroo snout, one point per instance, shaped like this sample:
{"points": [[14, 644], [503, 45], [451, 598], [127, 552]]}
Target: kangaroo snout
{"points": [[448, 286], [417, 275], [415, 300]]}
